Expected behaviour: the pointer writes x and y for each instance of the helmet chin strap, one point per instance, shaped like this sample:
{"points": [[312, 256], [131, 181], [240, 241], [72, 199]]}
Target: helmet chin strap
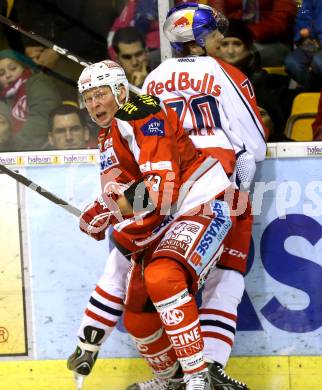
{"points": [[116, 91]]}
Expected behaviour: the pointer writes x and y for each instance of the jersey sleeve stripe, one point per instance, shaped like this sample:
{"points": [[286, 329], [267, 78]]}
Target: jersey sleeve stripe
{"points": [[127, 133], [246, 104]]}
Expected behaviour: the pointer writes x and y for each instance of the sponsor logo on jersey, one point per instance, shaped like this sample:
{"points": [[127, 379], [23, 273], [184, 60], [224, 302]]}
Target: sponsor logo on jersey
{"points": [[129, 107], [167, 220], [173, 302], [186, 338], [146, 167], [236, 253], [160, 362], [192, 362], [149, 100], [108, 159], [156, 166], [203, 133], [217, 230], [183, 81], [190, 350], [142, 347], [181, 237], [154, 126], [196, 259], [172, 317]]}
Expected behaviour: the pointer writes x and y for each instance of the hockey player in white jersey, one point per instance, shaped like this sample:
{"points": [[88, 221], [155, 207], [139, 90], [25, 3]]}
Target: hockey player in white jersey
{"points": [[214, 101]]}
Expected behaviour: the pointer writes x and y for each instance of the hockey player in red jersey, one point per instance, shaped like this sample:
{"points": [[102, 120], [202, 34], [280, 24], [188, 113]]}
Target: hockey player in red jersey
{"points": [[224, 287], [149, 169]]}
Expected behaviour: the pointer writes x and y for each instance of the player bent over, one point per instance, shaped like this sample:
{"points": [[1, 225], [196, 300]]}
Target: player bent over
{"points": [[149, 168]]}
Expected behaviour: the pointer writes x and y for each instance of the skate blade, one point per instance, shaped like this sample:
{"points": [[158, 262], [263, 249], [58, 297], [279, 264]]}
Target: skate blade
{"points": [[79, 380]]}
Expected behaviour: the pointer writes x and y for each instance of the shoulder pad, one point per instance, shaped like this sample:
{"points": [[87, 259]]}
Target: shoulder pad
{"points": [[139, 107]]}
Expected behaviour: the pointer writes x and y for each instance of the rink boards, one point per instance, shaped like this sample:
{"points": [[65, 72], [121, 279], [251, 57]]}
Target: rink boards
{"points": [[48, 269], [260, 373]]}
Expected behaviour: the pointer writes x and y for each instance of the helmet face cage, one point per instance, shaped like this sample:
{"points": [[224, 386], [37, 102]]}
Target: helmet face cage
{"points": [[104, 73], [192, 22]]}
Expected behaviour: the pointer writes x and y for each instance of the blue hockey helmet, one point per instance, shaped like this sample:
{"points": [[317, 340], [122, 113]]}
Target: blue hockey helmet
{"points": [[192, 22]]}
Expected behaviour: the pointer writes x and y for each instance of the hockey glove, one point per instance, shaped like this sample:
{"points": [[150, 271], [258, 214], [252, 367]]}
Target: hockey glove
{"points": [[99, 215]]}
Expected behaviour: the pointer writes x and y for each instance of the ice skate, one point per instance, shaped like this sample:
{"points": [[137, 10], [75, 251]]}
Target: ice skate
{"points": [[79, 380], [198, 381], [220, 380], [159, 384], [83, 359], [85, 355]]}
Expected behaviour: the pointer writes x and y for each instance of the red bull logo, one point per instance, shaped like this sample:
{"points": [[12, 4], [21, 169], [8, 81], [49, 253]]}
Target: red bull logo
{"points": [[183, 21]]}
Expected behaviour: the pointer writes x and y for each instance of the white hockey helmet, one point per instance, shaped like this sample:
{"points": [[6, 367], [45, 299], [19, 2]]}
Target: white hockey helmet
{"points": [[104, 73], [192, 22]]}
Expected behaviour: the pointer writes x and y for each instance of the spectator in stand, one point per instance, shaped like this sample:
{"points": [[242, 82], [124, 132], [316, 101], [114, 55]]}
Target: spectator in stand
{"points": [[304, 64], [146, 20], [270, 22], [132, 54], [6, 139], [317, 124], [68, 128], [31, 97], [142, 14], [79, 26], [60, 69], [237, 49]]}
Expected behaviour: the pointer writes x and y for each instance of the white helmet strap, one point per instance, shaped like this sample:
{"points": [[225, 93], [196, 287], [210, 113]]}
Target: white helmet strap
{"points": [[116, 91]]}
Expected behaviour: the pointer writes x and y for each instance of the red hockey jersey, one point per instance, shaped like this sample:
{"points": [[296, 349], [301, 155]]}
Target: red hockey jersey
{"points": [[147, 144]]}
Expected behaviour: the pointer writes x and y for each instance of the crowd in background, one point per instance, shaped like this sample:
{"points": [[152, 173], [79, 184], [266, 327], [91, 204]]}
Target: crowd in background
{"points": [[39, 107]]}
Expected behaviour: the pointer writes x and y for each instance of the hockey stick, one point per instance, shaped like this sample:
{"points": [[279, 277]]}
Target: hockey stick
{"points": [[41, 191], [45, 42]]}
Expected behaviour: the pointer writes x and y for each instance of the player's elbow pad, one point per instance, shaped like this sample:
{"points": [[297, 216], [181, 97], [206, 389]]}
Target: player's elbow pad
{"points": [[245, 169]]}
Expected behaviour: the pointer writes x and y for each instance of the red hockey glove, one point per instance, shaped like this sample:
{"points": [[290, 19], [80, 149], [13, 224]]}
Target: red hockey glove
{"points": [[99, 215]]}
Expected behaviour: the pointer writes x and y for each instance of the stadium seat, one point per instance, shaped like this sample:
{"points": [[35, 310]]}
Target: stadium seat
{"points": [[303, 113], [275, 70]]}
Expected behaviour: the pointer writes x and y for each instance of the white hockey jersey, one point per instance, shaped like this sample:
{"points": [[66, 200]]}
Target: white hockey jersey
{"points": [[216, 100]]}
